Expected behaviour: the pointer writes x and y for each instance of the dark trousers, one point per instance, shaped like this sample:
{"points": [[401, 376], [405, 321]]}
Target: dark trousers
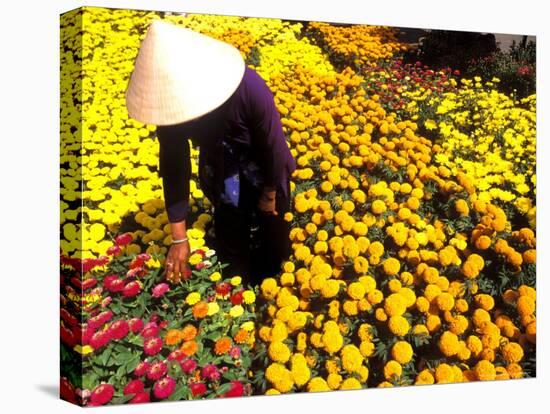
{"points": [[232, 225]]}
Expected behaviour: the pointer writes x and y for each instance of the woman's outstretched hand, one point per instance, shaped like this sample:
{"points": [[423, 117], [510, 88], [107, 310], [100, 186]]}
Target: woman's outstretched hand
{"points": [[176, 261], [266, 202]]}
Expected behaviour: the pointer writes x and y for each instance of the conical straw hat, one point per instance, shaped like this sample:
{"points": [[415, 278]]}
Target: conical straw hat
{"points": [[180, 75]]}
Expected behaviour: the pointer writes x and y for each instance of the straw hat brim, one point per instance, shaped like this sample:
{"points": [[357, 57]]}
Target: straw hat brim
{"points": [[180, 75]]}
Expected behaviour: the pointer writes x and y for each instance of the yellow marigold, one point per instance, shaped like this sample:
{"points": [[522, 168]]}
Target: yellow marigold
{"points": [[332, 341], [279, 351], [448, 344], [398, 325], [269, 288], [462, 207], [350, 307], [444, 373], [376, 249], [378, 207], [514, 370], [391, 266], [330, 288], [402, 352], [351, 358], [395, 304], [392, 369], [485, 371], [512, 352], [424, 377], [334, 381], [433, 323], [280, 377], [483, 242], [356, 290], [367, 348], [480, 316], [350, 384], [445, 301], [485, 301], [317, 384], [360, 265], [249, 297], [193, 298], [299, 369], [368, 282], [525, 305]]}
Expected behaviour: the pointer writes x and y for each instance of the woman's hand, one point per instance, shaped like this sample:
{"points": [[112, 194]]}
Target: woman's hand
{"points": [[178, 255], [266, 202], [176, 261]]}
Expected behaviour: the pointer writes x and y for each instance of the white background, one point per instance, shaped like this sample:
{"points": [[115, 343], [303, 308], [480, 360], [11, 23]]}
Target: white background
{"points": [[29, 95]]}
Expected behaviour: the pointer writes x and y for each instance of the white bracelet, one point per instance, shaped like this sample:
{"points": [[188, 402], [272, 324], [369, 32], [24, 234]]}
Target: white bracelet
{"points": [[179, 241]]}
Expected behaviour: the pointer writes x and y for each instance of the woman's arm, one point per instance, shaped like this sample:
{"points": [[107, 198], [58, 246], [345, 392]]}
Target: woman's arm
{"points": [[175, 170], [269, 138]]}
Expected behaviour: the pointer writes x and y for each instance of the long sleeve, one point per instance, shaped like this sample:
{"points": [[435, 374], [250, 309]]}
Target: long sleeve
{"points": [[175, 170], [268, 131]]}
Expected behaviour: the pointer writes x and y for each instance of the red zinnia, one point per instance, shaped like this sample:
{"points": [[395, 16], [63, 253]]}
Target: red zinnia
{"points": [[124, 239], [142, 397], [119, 329], [136, 325], [131, 289], [236, 389], [114, 250], [102, 394], [142, 368], [188, 365], [223, 288], [157, 370], [237, 297], [152, 346], [197, 388], [150, 329], [134, 387], [99, 339], [164, 388]]}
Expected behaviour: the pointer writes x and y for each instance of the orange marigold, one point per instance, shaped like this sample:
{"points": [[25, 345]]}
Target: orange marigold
{"points": [[222, 345], [200, 310], [189, 348], [188, 332], [173, 337], [241, 336]]}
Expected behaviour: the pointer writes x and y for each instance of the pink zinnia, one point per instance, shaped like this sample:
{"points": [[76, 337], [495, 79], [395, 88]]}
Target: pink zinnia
{"points": [[150, 329], [160, 289], [198, 388], [142, 368], [210, 372], [142, 397], [236, 389], [135, 324], [163, 388], [235, 351], [152, 346], [188, 365], [102, 394], [131, 289], [106, 302], [157, 370], [119, 329], [134, 387]]}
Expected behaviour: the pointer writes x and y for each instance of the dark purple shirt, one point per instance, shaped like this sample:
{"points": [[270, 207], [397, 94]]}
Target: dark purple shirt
{"points": [[249, 122]]}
